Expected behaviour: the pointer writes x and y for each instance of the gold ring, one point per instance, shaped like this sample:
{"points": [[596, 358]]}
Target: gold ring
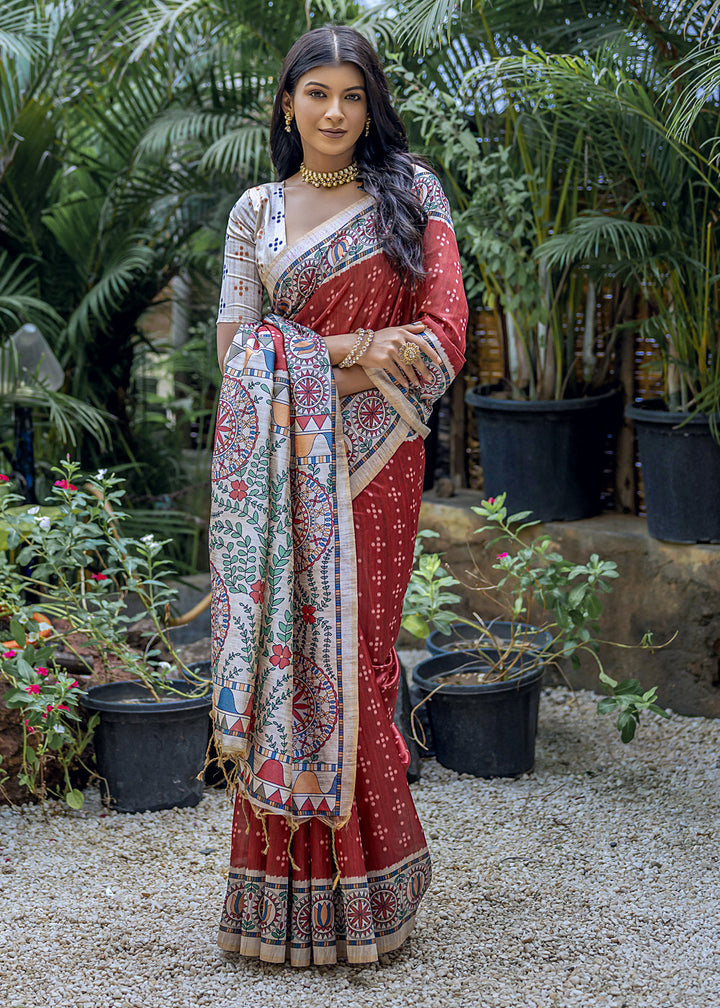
{"points": [[409, 353]]}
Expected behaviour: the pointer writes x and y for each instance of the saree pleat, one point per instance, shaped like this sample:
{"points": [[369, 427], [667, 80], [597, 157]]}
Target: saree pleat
{"points": [[314, 883], [274, 910]]}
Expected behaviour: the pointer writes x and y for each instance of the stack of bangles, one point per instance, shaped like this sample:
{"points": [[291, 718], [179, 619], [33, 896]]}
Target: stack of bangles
{"points": [[363, 339]]}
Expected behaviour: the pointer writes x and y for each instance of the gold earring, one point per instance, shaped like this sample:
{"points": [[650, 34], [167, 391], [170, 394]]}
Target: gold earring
{"points": [[367, 126], [288, 121]]}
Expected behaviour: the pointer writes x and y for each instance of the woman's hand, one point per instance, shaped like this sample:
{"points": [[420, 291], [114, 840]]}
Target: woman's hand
{"points": [[384, 352]]}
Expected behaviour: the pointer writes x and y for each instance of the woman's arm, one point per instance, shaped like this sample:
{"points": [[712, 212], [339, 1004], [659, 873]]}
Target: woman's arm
{"points": [[241, 289]]}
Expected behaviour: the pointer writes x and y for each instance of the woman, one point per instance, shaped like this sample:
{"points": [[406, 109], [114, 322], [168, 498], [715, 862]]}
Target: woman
{"points": [[317, 478]]}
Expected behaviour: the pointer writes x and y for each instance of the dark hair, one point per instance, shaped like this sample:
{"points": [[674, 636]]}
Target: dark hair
{"points": [[386, 168]]}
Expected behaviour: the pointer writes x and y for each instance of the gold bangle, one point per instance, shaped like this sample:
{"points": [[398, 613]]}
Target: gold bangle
{"points": [[363, 339]]}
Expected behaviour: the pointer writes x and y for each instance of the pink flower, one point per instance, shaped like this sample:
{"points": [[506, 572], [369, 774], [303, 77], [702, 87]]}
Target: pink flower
{"points": [[41, 670], [62, 706], [9, 654], [49, 707], [280, 656], [64, 485], [74, 684], [491, 500], [34, 688], [502, 556], [308, 613], [29, 727], [98, 577], [239, 490], [257, 592], [4, 479]]}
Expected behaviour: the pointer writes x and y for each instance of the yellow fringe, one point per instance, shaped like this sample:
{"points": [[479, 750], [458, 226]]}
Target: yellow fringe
{"points": [[336, 860], [294, 827]]}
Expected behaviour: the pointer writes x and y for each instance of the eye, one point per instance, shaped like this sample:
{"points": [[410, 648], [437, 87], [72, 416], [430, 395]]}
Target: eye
{"points": [[354, 97], [316, 94]]}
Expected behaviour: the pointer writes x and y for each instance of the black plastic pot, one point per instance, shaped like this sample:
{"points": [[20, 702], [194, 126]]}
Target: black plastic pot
{"points": [[439, 643], [681, 473], [547, 456], [485, 729], [149, 754]]}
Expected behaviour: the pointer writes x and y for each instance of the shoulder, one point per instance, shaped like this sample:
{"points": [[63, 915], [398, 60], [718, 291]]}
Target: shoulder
{"points": [[426, 187], [251, 207]]}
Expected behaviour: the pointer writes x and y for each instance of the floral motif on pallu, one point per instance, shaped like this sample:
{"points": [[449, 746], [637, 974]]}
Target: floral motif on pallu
{"points": [[284, 621], [360, 918]]}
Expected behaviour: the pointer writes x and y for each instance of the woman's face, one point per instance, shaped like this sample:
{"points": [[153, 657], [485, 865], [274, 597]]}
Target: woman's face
{"points": [[330, 108]]}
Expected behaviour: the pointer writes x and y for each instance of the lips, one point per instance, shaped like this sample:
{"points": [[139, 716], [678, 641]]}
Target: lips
{"points": [[333, 134]]}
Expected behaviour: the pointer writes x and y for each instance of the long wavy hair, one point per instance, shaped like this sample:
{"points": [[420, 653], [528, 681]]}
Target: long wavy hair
{"points": [[385, 165]]}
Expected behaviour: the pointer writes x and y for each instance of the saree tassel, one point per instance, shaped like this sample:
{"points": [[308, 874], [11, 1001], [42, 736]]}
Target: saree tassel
{"points": [[336, 860], [294, 827]]}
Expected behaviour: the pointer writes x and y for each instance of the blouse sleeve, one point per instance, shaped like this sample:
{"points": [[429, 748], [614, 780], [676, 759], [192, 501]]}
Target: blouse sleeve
{"points": [[241, 287], [440, 298]]}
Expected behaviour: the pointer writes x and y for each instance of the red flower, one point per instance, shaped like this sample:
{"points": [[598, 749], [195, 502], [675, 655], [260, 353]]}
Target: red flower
{"points": [[491, 500], [62, 706], [257, 592], [281, 656], [64, 485], [239, 490], [308, 613], [4, 479], [41, 670], [74, 684], [9, 654], [35, 688], [98, 577], [502, 556]]}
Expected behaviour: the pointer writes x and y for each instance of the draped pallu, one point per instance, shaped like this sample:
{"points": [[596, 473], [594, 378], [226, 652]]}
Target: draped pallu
{"points": [[315, 503]]}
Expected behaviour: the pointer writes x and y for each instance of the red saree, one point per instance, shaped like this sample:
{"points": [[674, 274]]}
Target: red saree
{"points": [[315, 510]]}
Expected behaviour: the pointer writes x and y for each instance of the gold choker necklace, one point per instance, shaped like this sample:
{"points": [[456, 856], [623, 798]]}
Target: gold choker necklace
{"points": [[329, 179]]}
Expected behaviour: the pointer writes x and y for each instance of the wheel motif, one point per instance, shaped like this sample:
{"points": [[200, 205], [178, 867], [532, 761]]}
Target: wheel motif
{"points": [[384, 905], [315, 708], [358, 915], [309, 391], [235, 430], [312, 519], [371, 413], [219, 614]]}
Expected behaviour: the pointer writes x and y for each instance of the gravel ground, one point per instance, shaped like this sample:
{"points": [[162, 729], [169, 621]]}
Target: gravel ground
{"points": [[591, 882]]}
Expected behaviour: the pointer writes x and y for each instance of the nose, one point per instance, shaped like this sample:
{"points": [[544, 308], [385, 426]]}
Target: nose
{"points": [[334, 111]]}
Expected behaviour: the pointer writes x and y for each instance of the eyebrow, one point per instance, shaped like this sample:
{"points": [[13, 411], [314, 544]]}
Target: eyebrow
{"points": [[355, 87]]}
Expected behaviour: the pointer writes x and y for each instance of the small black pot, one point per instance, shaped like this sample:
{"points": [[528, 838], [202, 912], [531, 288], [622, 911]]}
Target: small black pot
{"points": [[149, 754], [547, 456], [485, 729], [680, 463]]}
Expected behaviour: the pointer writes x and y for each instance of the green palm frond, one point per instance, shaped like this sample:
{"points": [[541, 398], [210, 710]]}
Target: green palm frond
{"points": [[601, 239], [246, 147], [18, 295]]}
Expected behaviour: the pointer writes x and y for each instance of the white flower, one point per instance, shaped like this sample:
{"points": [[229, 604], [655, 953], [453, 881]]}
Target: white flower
{"points": [[149, 540], [33, 510], [100, 474], [44, 523], [59, 729]]}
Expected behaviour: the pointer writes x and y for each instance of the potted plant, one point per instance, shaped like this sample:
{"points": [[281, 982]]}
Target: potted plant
{"points": [[483, 700], [150, 728], [544, 427]]}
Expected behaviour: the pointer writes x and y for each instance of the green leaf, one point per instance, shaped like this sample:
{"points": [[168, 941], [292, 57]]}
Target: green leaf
{"points": [[416, 625], [18, 632], [75, 798]]}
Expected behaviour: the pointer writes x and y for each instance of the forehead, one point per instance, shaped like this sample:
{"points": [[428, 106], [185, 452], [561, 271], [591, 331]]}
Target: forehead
{"points": [[338, 78]]}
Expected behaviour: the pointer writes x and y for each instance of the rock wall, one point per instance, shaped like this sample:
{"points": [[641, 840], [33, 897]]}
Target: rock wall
{"points": [[663, 587]]}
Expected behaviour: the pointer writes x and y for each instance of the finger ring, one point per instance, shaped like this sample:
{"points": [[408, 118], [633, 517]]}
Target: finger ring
{"points": [[409, 352]]}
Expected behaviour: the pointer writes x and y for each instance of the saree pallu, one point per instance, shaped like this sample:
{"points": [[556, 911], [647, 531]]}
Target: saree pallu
{"points": [[315, 510]]}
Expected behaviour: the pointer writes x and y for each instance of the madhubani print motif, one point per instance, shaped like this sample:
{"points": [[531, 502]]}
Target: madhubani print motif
{"points": [[284, 621], [432, 198], [352, 243], [375, 420], [371, 912]]}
